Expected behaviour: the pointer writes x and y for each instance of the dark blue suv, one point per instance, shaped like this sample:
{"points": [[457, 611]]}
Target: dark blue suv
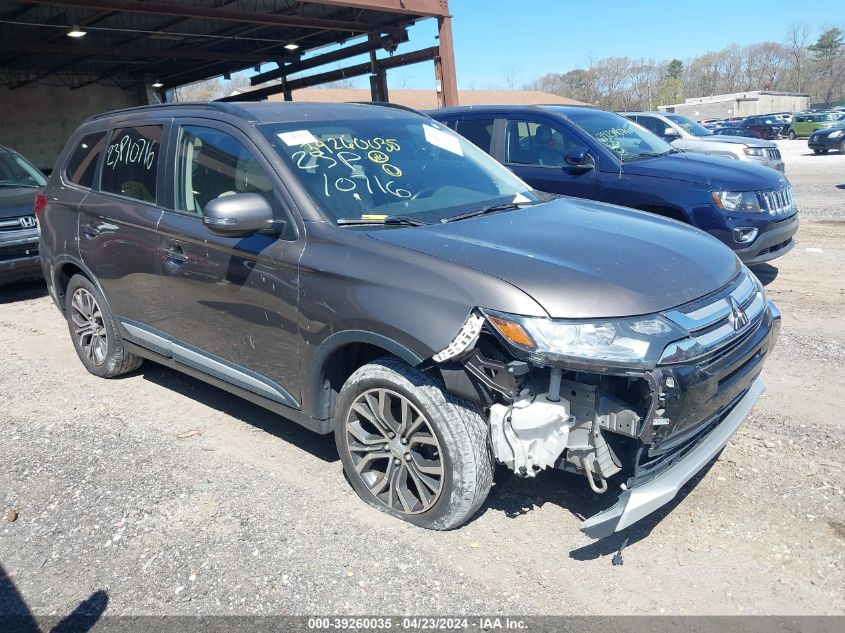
{"points": [[590, 153]]}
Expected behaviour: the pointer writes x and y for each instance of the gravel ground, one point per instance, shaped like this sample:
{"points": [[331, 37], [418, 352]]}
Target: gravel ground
{"points": [[173, 497], [818, 180]]}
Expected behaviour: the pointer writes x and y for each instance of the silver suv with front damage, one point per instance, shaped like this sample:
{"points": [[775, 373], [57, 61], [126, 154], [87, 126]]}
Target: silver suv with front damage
{"points": [[685, 134]]}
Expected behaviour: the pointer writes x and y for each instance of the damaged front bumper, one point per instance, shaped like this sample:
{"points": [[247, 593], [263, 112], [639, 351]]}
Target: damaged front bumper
{"points": [[652, 428], [641, 500]]}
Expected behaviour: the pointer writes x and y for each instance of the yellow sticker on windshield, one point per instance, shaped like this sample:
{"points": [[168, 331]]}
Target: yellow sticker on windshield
{"points": [[373, 217]]}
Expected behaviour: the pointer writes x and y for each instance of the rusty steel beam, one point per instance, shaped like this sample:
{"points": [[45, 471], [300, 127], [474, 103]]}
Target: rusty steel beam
{"points": [[225, 15], [366, 68], [448, 92], [134, 52], [327, 58], [428, 8]]}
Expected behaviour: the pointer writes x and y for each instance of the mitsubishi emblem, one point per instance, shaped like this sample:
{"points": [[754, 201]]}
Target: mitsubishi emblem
{"points": [[738, 318]]}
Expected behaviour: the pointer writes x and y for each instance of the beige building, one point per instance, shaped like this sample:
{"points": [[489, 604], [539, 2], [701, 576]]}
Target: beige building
{"points": [[740, 104]]}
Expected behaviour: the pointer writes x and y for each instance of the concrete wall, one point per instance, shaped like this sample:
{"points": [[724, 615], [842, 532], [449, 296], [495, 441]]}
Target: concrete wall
{"points": [[38, 119], [739, 104]]}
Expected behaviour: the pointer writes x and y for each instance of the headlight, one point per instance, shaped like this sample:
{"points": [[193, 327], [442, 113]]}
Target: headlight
{"points": [[753, 151], [634, 342], [736, 200], [836, 134]]}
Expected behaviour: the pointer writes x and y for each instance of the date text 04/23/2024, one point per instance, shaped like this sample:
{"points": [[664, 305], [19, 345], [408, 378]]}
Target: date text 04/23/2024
{"points": [[418, 623]]}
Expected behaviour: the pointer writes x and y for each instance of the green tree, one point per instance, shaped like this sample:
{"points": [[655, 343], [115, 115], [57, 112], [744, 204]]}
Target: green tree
{"points": [[828, 47], [671, 90], [675, 69]]}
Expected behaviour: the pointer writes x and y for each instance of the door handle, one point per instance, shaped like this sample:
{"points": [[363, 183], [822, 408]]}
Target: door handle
{"points": [[175, 254], [90, 231]]}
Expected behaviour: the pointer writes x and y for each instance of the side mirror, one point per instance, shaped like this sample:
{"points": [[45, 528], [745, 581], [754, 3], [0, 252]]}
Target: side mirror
{"points": [[578, 159], [671, 132], [238, 215]]}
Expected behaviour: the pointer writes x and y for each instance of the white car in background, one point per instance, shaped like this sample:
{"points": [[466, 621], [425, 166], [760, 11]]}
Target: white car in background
{"points": [[689, 136]]}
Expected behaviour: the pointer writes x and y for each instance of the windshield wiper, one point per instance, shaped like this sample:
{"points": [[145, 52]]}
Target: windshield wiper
{"points": [[652, 154], [389, 220], [490, 208]]}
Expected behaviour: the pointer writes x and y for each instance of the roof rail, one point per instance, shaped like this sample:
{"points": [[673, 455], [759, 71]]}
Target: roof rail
{"points": [[396, 106], [213, 105]]}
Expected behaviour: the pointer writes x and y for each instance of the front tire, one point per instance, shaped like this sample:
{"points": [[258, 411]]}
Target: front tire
{"points": [[842, 147], [410, 448], [791, 135], [94, 332]]}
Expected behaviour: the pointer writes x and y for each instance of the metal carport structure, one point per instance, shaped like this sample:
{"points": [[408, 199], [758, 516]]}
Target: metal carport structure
{"points": [[136, 50]]}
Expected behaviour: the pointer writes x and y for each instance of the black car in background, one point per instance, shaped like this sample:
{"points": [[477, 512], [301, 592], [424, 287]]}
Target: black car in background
{"points": [[733, 130], [20, 180], [824, 140]]}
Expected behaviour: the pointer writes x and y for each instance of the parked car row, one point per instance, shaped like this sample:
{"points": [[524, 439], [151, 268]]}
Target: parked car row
{"points": [[366, 271], [777, 125]]}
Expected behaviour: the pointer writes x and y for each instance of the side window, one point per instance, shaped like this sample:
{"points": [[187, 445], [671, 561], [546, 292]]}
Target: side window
{"points": [[477, 131], [652, 125], [131, 163], [452, 124], [211, 164], [534, 143], [83, 161]]}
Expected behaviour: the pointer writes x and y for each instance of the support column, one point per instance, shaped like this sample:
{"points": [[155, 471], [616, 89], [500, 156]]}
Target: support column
{"points": [[447, 94]]}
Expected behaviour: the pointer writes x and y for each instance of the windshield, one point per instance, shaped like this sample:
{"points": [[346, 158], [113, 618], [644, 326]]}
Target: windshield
{"points": [[16, 172], [696, 129], [368, 169], [627, 140]]}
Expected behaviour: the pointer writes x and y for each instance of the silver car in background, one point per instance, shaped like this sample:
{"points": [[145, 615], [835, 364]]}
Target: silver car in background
{"points": [[685, 134]]}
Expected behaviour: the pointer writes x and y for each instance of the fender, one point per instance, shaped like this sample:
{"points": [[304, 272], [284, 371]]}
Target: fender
{"points": [[55, 273], [333, 343]]}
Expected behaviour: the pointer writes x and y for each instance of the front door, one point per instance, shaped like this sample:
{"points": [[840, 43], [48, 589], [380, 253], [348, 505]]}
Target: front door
{"points": [[117, 224], [534, 150], [231, 302]]}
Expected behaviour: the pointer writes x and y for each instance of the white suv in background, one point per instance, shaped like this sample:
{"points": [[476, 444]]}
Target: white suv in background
{"points": [[685, 134]]}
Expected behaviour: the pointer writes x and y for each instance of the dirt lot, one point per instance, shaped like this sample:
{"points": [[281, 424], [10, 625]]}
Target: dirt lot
{"points": [[175, 498]]}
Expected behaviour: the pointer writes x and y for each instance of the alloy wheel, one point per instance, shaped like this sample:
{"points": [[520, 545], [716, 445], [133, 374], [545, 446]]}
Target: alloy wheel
{"points": [[88, 326], [394, 451]]}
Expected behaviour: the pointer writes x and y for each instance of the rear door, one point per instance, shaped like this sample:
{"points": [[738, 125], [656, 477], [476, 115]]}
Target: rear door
{"points": [[231, 302], [534, 149], [117, 222]]}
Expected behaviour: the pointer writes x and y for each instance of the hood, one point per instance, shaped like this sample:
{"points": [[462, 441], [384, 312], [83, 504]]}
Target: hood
{"points": [[17, 201], [718, 173], [738, 140], [829, 130], [582, 259]]}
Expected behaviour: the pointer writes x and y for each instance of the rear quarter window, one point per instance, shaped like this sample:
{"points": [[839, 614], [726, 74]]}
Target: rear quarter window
{"points": [[82, 164], [130, 165]]}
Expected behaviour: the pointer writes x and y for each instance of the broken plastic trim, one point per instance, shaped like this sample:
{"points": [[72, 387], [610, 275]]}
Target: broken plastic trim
{"points": [[464, 339], [638, 501]]}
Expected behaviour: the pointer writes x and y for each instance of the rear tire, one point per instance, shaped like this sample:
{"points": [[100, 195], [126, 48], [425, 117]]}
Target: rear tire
{"points": [[412, 449], [817, 151], [94, 332]]}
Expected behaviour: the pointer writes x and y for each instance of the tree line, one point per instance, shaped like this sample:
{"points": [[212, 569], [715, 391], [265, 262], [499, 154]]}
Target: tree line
{"points": [[796, 64]]}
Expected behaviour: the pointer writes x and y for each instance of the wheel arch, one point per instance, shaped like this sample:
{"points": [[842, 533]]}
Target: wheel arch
{"points": [[63, 271], [337, 358]]}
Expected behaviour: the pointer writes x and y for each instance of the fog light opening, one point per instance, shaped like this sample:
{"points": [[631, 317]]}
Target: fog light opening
{"points": [[745, 235]]}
